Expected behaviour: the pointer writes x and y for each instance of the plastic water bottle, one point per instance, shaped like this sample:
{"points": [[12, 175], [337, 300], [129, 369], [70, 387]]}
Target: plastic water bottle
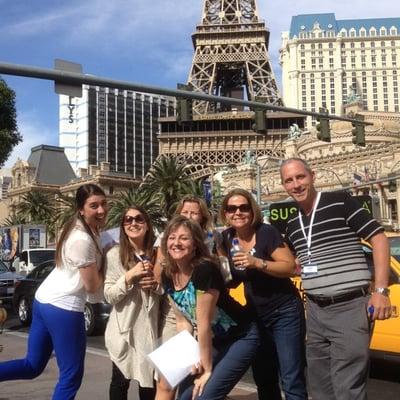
{"points": [[236, 249]]}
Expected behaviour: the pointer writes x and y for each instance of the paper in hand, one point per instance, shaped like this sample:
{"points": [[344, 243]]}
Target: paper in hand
{"points": [[174, 358]]}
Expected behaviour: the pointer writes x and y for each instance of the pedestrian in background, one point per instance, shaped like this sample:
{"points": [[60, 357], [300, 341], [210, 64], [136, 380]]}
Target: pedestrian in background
{"points": [[57, 318], [325, 234], [228, 340], [130, 287], [264, 264]]}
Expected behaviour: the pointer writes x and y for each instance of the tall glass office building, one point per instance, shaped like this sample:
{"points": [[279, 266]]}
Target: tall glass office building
{"points": [[111, 125]]}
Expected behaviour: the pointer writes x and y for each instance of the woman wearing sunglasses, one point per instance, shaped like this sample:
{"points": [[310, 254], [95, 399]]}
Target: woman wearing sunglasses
{"points": [[228, 339], [264, 263], [130, 287]]}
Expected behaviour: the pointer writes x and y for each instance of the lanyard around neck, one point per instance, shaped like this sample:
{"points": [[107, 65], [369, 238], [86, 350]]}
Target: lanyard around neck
{"points": [[308, 238]]}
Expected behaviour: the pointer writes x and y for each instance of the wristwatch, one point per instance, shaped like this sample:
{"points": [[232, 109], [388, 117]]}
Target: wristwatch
{"points": [[263, 265], [382, 290]]}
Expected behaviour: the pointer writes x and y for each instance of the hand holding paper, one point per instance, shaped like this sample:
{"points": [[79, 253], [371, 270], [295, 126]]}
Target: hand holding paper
{"points": [[174, 358]]}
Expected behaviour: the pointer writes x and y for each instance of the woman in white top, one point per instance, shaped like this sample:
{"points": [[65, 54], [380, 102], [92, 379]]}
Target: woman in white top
{"points": [[132, 329], [57, 320]]}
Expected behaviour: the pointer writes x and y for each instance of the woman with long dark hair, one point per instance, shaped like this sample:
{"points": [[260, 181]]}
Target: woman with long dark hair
{"points": [[57, 319], [132, 329]]}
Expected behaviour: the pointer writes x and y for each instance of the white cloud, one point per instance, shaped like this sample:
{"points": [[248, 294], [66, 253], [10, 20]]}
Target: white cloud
{"points": [[34, 133]]}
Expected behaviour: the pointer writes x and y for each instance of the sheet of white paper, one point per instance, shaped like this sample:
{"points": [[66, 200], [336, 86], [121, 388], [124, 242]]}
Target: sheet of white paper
{"points": [[175, 358]]}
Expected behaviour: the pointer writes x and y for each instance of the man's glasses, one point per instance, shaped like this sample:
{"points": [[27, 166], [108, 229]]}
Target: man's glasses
{"points": [[244, 208], [129, 219]]}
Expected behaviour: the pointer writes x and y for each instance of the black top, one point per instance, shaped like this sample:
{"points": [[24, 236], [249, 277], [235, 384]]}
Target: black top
{"points": [[262, 291], [207, 276]]}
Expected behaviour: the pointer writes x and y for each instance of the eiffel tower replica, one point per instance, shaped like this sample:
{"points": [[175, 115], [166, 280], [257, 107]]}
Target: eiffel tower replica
{"points": [[230, 59]]}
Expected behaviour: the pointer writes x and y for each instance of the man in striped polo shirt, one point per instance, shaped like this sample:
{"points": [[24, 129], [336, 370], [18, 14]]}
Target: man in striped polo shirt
{"points": [[325, 235]]}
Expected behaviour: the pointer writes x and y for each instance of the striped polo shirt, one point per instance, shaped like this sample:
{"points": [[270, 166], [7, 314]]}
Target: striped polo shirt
{"points": [[338, 225]]}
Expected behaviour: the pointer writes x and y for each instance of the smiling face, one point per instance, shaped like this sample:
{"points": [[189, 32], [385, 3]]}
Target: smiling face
{"points": [[95, 211], [298, 182], [238, 212], [180, 245], [192, 211], [135, 225]]}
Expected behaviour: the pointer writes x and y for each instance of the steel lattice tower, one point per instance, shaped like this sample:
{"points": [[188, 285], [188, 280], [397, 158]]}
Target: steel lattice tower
{"points": [[231, 55]]}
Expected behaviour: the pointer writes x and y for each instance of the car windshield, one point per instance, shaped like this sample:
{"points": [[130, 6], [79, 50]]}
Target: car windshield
{"points": [[39, 256], [3, 268], [395, 247]]}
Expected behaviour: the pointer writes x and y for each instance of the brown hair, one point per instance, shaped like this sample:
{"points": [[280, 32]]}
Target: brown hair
{"points": [[257, 215], [125, 246], [206, 219], [201, 251], [82, 194]]}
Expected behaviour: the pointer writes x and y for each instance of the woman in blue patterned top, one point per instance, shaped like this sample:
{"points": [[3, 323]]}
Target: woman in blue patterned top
{"points": [[227, 338]]}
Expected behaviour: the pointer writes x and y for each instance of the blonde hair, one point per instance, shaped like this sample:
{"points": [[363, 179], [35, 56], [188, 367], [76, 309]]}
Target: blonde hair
{"points": [[206, 218]]}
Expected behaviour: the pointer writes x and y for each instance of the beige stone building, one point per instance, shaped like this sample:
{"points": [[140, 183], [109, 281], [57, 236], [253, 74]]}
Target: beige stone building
{"points": [[337, 164], [326, 61]]}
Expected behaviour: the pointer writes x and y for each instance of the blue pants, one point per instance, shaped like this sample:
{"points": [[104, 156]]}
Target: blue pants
{"points": [[230, 362], [282, 343], [58, 329]]}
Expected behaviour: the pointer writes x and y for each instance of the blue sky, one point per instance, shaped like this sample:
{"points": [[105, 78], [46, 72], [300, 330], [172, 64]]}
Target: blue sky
{"points": [[143, 41]]}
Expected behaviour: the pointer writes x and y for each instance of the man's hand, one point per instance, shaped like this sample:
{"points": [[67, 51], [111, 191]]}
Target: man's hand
{"points": [[382, 308]]}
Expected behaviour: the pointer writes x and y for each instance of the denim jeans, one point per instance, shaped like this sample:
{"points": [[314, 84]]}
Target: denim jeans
{"points": [[230, 362], [283, 342]]}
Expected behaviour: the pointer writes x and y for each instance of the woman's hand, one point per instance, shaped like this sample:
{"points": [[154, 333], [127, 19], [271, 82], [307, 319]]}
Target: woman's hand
{"points": [[199, 384], [136, 273], [245, 260]]}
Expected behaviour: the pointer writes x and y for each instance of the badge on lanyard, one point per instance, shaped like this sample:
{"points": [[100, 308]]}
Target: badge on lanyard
{"points": [[309, 269]]}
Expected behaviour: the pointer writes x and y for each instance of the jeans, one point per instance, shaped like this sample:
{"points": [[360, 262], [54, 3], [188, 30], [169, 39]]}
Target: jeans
{"points": [[119, 387], [230, 362], [58, 329], [283, 342]]}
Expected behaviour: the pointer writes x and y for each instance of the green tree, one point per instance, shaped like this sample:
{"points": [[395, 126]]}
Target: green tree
{"points": [[169, 179], [9, 135], [139, 197], [13, 220], [36, 208]]}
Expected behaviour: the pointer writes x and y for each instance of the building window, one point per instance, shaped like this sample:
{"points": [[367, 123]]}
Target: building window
{"points": [[372, 32], [382, 31], [393, 31]]}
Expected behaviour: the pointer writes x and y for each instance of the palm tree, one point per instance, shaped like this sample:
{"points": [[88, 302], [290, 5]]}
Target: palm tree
{"points": [[13, 220], [36, 208], [139, 197], [169, 179]]}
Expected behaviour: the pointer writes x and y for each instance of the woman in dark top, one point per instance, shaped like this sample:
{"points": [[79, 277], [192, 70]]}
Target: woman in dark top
{"points": [[264, 263], [228, 340]]}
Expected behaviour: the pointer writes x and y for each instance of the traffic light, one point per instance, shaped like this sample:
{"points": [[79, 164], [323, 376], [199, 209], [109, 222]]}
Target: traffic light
{"points": [[184, 105], [358, 131], [260, 121], [323, 128], [392, 184]]}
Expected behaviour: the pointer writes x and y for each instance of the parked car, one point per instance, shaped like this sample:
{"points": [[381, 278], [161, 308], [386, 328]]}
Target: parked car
{"points": [[8, 277], [28, 259], [96, 315]]}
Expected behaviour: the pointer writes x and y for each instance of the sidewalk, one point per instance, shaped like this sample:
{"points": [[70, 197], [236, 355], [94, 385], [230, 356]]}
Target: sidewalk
{"points": [[95, 381]]}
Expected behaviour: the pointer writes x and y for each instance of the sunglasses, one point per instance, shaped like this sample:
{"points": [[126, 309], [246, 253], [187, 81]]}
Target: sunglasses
{"points": [[244, 208], [129, 219]]}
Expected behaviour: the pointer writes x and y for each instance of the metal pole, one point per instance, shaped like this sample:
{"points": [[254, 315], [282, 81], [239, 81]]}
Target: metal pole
{"points": [[74, 78], [258, 183]]}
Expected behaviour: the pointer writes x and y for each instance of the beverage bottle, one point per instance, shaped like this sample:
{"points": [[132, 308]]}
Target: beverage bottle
{"points": [[236, 249]]}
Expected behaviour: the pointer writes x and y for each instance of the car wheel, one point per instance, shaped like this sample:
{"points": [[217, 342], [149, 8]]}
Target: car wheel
{"points": [[89, 319], [24, 311]]}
